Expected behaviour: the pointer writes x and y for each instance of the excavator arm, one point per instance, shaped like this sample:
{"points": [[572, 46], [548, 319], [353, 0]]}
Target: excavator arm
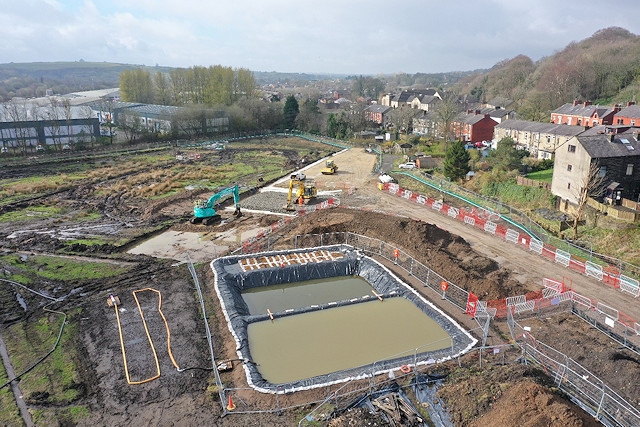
{"points": [[298, 189], [205, 211]]}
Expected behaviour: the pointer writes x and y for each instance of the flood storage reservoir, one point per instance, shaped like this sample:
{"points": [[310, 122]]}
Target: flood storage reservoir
{"points": [[286, 296], [298, 335], [294, 348]]}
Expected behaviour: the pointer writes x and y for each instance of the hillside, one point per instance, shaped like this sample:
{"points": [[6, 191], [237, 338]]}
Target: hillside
{"points": [[604, 68], [33, 79]]}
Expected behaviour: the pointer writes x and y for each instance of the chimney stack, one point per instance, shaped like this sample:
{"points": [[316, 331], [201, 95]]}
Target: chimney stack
{"points": [[630, 103], [577, 102], [587, 103]]}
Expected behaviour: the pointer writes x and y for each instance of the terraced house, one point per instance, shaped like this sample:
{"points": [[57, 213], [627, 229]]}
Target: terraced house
{"points": [[540, 139], [628, 116], [584, 114]]}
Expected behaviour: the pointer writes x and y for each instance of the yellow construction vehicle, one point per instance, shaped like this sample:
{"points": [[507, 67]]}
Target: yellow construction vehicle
{"points": [[330, 168], [302, 194]]}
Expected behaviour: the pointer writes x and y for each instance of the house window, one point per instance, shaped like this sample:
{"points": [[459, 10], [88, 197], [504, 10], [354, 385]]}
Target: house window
{"points": [[594, 123], [568, 186], [560, 119], [569, 167], [549, 139], [572, 148], [633, 122], [630, 169], [603, 171], [569, 120]]}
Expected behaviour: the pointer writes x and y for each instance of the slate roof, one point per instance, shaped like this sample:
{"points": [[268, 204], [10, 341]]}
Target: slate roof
{"points": [[470, 118], [632, 111], [582, 111], [376, 108], [600, 146], [500, 101], [426, 99], [544, 128], [500, 112]]}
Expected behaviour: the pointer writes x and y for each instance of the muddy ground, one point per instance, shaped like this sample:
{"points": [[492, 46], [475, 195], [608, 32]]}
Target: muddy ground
{"points": [[496, 394]]}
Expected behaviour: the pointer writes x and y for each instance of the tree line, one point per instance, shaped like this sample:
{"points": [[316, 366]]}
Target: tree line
{"points": [[210, 86], [604, 69]]}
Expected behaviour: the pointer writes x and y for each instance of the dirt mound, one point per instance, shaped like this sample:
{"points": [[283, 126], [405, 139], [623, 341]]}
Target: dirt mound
{"points": [[537, 407], [448, 254], [489, 396]]}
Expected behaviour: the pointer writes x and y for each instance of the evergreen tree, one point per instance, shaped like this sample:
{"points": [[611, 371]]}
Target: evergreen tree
{"points": [[456, 161], [290, 111], [506, 157]]}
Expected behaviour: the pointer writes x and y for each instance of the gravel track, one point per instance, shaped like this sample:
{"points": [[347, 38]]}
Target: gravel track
{"points": [[273, 201]]}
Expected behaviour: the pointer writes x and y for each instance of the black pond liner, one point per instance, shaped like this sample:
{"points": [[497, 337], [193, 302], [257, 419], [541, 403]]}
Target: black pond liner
{"points": [[231, 281]]}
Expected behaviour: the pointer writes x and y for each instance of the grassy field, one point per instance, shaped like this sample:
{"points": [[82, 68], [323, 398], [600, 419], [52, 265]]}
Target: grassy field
{"points": [[543, 175], [61, 268], [9, 413]]}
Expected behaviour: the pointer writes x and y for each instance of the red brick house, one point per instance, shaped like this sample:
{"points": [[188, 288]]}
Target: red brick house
{"points": [[628, 116], [473, 126], [583, 114], [376, 113]]}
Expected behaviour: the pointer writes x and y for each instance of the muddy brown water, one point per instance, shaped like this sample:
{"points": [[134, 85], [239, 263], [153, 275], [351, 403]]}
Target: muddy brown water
{"points": [[305, 345], [286, 296]]}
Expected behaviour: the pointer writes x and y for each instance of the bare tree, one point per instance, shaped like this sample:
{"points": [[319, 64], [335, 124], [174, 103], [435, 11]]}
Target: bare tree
{"points": [[53, 123], [591, 186], [131, 124], [17, 112], [68, 116], [445, 115]]}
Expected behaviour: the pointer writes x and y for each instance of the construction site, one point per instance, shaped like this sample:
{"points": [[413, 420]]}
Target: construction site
{"points": [[280, 281]]}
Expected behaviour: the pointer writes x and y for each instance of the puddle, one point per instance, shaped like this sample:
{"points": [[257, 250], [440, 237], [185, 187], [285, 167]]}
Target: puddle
{"points": [[70, 233], [201, 247], [21, 301], [176, 245]]}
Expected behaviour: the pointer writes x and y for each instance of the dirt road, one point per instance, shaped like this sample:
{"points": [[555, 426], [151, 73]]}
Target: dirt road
{"points": [[527, 267]]}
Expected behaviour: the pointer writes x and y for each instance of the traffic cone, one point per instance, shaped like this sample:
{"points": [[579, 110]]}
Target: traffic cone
{"points": [[231, 406]]}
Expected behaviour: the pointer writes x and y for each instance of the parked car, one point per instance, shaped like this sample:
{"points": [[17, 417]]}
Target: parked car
{"points": [[407, 166]]}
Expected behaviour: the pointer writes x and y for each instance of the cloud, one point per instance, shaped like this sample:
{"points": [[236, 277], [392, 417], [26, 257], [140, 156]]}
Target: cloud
{"points": [[337, 36]]}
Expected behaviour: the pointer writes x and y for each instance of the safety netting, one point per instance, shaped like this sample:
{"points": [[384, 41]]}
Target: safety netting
{"points": [[238, 273]]}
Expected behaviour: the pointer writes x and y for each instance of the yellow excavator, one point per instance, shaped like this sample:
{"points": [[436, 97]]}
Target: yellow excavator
{"points": [[299, 192], [330, 168]]}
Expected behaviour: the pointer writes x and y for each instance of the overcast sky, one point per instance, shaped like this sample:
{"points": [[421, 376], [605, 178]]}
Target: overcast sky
{"points": [[328, 36]]}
